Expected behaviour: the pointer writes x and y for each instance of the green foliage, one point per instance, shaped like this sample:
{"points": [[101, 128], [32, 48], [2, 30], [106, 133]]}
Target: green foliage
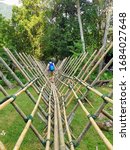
{"points": [[51, 29], [28, 23], [6, 33], [77, 48], [107, 75], [62, 34]]}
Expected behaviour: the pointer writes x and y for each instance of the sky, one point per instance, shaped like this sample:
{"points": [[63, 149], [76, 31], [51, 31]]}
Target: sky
{"points": [[16, 2], [11, 2]]}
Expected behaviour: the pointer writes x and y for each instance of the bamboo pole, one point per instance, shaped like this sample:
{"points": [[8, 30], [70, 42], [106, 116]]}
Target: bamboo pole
{"points": [[14, 60], [95, 91], [56, 126], [21, 137], [91, 64], [21, 84], [69, 59], [109, 48], [35, 71], [58, 63], [61, 134], [88, 125], [102, 71], [94, 124], [86, 64], [72, 65], [32, 72], [88, 75], [21, 113], [90, 88], [11, 99], [88, 67], [107, 115], [100, 133], [77, 64], [67, 68], [49, 124], [30, 68], [62, 63], [72, 61], [2, 147], [76, 106], [41, 70], [67, 128], [36, 68], [83, 133], [82, 71]]}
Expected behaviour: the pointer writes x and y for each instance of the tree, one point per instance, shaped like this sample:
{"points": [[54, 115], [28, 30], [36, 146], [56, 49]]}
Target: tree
{"points": [[80, 25], [62, 33], [28, 23], [48, 29], [6, 33]]}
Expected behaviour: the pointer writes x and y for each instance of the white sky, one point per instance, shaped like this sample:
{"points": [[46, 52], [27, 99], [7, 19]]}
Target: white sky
{"points": [[11, 2], [16, 2]]}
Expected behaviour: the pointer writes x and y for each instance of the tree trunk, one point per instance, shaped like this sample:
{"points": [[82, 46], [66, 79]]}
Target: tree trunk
{"points": [[80, 25], [104, 41]]}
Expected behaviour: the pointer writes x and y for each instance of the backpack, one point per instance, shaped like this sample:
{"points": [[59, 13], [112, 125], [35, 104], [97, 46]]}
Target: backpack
{"points": [[51, 66]]}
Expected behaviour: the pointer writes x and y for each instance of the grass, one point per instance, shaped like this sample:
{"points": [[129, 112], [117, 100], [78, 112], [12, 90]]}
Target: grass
{"points": [[12, 124]]}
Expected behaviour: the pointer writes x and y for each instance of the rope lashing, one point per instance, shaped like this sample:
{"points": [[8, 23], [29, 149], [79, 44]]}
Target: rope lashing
{"points": [[51, 141], [70, 86], [73, 142], [103, 97], [29, 117], [49, 114], [91, 115], [44, 142]]}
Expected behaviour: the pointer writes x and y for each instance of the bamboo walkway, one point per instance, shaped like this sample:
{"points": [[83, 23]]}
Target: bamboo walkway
{"points": [[54, 98]]}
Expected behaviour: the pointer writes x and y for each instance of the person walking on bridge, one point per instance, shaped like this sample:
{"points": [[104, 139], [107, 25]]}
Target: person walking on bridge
{"points": [[51, 69]]}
